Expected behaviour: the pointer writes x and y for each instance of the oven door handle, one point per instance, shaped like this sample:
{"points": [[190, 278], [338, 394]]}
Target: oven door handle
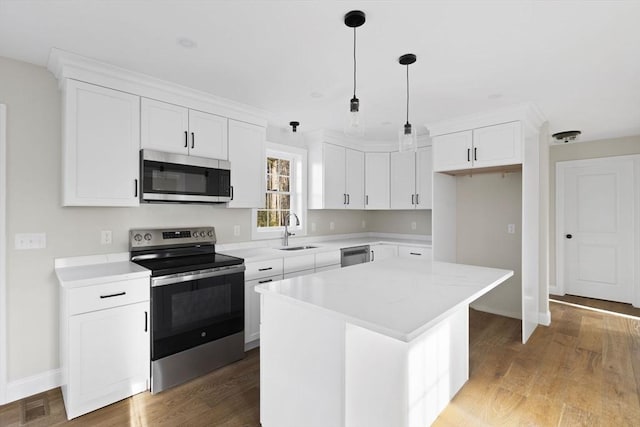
{"points": [[203, 274]]}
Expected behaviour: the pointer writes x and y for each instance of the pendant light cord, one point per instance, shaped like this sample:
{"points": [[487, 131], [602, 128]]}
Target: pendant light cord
{"points": [[407, 93], [354, 62]]}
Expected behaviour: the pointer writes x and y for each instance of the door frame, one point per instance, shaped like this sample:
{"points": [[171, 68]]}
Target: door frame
{"points": [[3, 262], [561, 168]]}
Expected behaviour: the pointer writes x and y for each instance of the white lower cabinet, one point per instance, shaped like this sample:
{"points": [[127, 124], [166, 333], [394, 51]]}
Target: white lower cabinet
{"points": [[382, 251], [298, 273], [104, 344], [327, 268], [415, 252], [256, 273], [299, 263]]}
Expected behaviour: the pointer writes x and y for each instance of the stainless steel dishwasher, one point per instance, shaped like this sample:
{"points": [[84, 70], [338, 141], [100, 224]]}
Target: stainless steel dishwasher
{"points": [[354, 255]]}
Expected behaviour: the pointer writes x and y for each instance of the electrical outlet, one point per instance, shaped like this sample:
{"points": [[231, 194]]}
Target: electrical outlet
{"points": [[332, 225], [414, 225], [236, 230], [313, 226], [31, 241], [511, 228], [105, 237], [364, 224]]}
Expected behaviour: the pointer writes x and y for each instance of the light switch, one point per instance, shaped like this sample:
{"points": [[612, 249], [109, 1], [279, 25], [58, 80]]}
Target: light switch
{"points": [[511, 228], [414, 225], [332, 225], [236, 230], [31, 241], [105, 237]]}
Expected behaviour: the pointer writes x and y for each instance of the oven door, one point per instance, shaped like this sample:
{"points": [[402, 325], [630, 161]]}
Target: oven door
{"points": [[190, 310], [178, 178]]}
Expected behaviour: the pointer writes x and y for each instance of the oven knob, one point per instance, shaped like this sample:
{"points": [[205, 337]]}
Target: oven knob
{"points": [[194, 233], [137, 237], [202, 234], [210, 233], [147, 236], [203, 334]]}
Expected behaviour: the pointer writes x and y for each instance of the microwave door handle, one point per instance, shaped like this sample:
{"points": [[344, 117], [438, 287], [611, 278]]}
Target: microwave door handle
{"points": [[231, 187]]}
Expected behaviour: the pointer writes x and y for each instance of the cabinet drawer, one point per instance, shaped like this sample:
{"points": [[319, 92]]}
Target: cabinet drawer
{"points": [[108, 295], [298, 263], [266, 268], [414, 252], [327, 258]]}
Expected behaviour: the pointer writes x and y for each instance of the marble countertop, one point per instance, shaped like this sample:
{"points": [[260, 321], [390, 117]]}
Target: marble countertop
{"points": [[87, 274], [261, 253], [397, 297]]}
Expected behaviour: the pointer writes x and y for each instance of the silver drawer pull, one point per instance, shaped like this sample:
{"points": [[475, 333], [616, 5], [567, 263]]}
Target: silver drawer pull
{"points": [[265, 281], [414, 253], [265, 269], [119, 294]]}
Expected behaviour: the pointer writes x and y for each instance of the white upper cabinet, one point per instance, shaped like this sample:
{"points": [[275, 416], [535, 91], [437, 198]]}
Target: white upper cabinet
{"points": [[176, 129], [483, 147], [354, 177], [101, 139], [336, 177], [248, 165], [411, 178], [376, 172]]}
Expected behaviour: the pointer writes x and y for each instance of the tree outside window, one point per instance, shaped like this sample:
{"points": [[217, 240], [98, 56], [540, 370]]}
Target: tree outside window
{"points": [[278, 195]]}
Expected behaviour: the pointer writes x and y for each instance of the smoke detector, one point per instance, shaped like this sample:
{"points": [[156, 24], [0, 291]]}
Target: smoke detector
{"points": [[566, 136]]}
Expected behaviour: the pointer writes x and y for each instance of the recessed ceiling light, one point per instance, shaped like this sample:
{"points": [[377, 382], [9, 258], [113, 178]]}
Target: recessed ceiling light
{"points": [[187, 43], [495, 96], [316, 95], [386, 123]]}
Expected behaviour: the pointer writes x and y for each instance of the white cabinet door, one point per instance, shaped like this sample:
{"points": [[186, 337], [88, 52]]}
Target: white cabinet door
{"points": [[354, 177], [252, 307], [414, 252], [164, 127], [383, 251], [376, 185], [424, 178], [334, 163], [109, 357], [248, 165], [453, 151], [403, 167], [207, 135], [497, 145], [100, 146]]}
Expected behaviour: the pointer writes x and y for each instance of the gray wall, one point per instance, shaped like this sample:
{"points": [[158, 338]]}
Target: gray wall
{"points": [[33, 205], [579, 151]]}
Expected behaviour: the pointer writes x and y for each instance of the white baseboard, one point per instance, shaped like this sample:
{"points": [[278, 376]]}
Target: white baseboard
{"points": [[25, 387], [544, 318], [251, 345], [554, 290], [492, 310]]}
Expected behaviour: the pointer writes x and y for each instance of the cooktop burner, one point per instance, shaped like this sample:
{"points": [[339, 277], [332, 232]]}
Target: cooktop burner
{"points": [[183, 264]]}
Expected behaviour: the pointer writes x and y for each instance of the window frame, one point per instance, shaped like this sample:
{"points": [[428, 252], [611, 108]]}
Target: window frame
{"points": [[297, 190]]}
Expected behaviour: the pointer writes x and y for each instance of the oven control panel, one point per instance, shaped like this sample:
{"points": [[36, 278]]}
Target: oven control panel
{"points": [[142, 238]]}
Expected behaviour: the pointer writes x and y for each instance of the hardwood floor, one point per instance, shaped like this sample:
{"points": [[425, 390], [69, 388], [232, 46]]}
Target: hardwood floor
{"points": [[582, 370]]}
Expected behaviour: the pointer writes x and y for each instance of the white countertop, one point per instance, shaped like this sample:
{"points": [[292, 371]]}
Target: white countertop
{"points": [[260, 253], [92, 274], [397, 297]]}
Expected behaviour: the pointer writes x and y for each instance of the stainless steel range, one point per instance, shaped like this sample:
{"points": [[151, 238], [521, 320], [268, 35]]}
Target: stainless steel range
{"points": [[197, 303]]}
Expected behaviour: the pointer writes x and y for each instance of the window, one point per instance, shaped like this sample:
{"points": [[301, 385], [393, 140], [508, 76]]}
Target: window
{"points": [[285, 176]]}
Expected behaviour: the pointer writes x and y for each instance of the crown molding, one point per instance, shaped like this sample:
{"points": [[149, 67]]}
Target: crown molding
{"points": [[66, 65], [529, 114], [360, 144]]}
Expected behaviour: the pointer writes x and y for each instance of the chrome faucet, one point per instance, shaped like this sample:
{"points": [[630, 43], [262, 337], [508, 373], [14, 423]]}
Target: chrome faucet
{"points": [[287, 223]]}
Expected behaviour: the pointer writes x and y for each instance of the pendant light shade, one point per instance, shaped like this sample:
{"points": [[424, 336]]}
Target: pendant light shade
{"points": [[354, 125], [407, 136]]}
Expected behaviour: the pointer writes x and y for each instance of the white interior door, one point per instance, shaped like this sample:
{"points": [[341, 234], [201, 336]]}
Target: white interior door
{"points": [[598, 231]]}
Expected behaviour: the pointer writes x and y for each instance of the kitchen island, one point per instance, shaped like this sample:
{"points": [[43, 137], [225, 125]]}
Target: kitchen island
{"points": [[377, 344]]}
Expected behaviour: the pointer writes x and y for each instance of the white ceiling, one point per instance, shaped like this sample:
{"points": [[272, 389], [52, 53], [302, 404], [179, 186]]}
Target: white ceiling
{"points": [[579, 61]]}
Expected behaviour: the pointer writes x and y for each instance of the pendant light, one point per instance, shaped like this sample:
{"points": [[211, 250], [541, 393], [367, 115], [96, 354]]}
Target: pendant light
{"points": [[355, 124], [407, 137]]}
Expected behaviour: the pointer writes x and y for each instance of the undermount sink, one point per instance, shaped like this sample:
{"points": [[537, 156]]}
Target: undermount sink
{"points": [[296, 248]]}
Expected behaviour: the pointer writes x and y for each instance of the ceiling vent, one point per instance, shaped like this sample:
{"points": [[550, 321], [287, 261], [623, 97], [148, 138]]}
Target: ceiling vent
{"points": [[566, 136]]}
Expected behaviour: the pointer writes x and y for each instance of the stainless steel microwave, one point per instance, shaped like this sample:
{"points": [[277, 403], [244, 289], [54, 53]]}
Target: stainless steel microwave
{"points": [[170, 177]]}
